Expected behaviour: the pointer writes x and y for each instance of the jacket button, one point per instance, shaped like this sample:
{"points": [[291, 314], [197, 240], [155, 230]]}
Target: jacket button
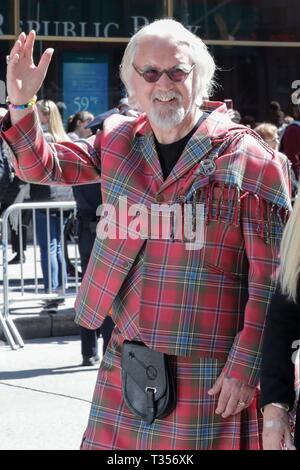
{"points": [[126, 264], [159, 198]]}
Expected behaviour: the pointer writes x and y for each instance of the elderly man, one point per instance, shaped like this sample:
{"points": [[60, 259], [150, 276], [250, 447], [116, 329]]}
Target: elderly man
{"points": [[197, 302]]}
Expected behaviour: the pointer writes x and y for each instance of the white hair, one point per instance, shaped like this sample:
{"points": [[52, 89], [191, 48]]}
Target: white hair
{"points": [[290, 254], [204, 63]]}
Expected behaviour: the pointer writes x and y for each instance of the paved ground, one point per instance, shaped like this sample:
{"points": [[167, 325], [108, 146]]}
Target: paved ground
{"points": [[44, 394]]}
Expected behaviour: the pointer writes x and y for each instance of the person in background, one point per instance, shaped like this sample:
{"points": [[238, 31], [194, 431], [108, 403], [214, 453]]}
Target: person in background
{"points": [[53, 128], [77, 126], [280, 354], [88, 198], [6, 174], [53, 131], [248, 121], [276, 115], [10, 187], [269, 133], [236, 116], [51, 121], [3, 112], [288, 120], [290, 141], [123, 107], [126, 109], [62, 108]]}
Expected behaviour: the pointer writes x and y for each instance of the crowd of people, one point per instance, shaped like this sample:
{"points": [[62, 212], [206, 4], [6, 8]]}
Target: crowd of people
{"points": [[217, 322], [81, 125]]}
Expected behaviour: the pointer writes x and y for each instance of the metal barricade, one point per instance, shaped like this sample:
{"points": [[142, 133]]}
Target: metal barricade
{"points": [[6, 323]]}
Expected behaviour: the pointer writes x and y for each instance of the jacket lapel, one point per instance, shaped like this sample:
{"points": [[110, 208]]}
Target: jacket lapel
{"points": [[197, 147], [210, 132], [146, 145]]}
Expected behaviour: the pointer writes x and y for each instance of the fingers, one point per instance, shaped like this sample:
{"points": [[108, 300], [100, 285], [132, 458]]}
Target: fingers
{"points": [[223, 400], [272, 441], [24, 45], [28, 45], [14, 60], [45, 61], [217, 385], [288, 440], [231, 406], [235, 406], [234, 395], [273, 434], [16, 48], [15, 54], [242, 404]]}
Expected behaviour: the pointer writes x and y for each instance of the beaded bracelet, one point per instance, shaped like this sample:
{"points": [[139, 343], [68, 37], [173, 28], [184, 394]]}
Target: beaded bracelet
{"points": [[30, 103]]}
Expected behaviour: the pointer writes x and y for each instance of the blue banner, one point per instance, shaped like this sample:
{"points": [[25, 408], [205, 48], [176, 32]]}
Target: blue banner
{"points": [[85, 83]]}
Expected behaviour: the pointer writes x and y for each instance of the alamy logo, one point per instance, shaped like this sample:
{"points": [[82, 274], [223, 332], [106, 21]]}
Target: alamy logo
{"points": [[295, 97], [295, 355], [1, 24], [2, 92], [174, 222]]}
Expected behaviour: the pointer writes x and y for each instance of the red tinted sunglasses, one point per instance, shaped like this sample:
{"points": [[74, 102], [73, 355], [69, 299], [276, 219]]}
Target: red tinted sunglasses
{"points": [[178, 73]]}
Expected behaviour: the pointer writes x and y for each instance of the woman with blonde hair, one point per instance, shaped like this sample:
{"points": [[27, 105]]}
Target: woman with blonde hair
{"points": [[269, 133], [53, 129], [281, 341], [51, 121]]}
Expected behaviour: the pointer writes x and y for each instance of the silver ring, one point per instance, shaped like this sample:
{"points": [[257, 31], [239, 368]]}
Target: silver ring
{"points": [[7, 59]]}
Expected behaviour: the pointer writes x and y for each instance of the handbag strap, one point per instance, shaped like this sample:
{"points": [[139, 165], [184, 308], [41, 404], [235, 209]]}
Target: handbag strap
{"points": [[150, 392]]}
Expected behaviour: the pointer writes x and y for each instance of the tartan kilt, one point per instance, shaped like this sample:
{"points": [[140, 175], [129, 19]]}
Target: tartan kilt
{"points": [[192, 425]]}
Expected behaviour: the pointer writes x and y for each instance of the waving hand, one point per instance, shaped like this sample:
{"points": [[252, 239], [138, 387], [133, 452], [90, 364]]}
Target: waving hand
{"points": [[24, 78]]}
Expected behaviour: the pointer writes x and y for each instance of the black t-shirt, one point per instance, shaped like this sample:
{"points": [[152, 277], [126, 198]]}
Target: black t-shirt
{"points": [[169, 154]]}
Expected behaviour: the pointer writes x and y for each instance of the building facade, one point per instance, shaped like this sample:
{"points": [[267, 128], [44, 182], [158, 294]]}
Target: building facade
{"points": [[256, 45]]}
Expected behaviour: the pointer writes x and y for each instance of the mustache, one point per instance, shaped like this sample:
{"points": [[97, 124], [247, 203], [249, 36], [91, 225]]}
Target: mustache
{"points": [[166, 95]]}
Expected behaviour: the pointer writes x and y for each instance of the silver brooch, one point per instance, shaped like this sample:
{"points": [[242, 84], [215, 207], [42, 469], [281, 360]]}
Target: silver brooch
{"points": [[207, 167]]}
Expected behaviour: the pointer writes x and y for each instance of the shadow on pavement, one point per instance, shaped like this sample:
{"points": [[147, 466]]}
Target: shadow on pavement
{"points": [[27, 374]]}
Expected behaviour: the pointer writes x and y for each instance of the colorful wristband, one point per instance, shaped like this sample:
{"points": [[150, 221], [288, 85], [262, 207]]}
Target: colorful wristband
{"points": [[30, 104]]}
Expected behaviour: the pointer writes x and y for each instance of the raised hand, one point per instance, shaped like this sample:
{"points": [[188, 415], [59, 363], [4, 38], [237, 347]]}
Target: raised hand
{"points": [[24, 78]]}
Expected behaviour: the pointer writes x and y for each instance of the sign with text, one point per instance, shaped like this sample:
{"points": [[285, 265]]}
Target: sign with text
{"points": [[85, 83], [83, 18]]}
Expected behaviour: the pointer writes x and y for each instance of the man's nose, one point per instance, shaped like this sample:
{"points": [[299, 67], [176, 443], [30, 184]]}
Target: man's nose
{"points": [[164, 80]]}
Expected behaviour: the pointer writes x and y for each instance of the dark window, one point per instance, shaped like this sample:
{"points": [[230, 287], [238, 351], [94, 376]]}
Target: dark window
{"points": [[6, 17], [254, 76], [5, 47], [114, 18], [257, 20]]}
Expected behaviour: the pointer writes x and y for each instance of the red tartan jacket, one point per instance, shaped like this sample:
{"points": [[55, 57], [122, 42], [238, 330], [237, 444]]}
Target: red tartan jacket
{"points": [[209, 302]]}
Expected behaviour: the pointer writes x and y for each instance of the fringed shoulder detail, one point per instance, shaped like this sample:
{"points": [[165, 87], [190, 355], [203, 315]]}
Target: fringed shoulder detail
{"points": [[224, 204]]}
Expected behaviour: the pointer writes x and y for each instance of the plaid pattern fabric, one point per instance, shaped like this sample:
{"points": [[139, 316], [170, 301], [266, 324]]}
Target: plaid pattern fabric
{"points": [[192, 425], [204, 303]]}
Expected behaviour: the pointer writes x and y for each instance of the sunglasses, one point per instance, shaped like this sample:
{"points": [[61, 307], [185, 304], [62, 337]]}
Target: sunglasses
{"points": [[178, 73]]}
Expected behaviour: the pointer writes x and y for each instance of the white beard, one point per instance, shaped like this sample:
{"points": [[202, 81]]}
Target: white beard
{"points": [[167, 120], [169, 115]]}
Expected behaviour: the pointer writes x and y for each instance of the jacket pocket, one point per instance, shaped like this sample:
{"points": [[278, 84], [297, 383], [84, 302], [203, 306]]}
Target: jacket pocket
{"points": [[224, 250]]}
